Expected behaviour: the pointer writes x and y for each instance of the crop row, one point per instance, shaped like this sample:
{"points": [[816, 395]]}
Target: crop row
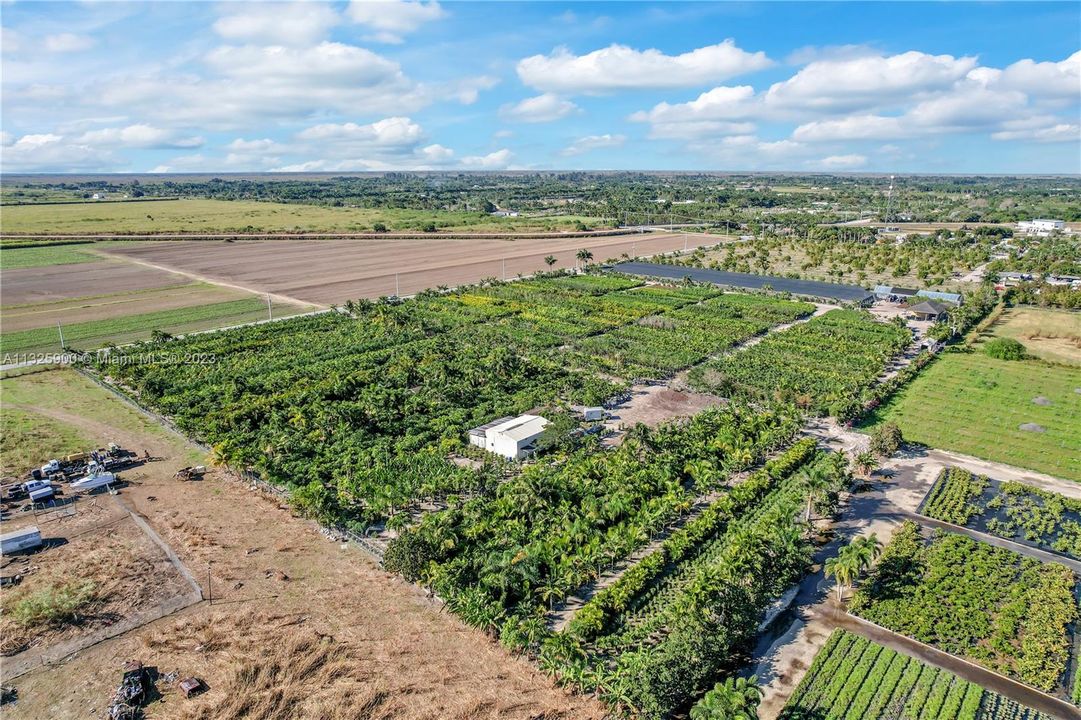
{"points": [[1002, 610], [824, 364], [953, 496], [853, 678]]}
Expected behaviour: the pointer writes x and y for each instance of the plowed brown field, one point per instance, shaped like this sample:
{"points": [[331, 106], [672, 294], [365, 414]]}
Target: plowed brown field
{"points": [[333, 271]]}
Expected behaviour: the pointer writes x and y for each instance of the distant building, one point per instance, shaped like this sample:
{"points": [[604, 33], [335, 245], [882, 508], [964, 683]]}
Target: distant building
{"points": [[893, 294], [929, 310], [954, 298], [512, 437], [1041, 226], [504, 213], [1009, 279], [1072, 281]]}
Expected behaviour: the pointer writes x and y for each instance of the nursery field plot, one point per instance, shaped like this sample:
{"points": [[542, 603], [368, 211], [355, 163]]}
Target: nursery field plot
{"points": [[1052, 335], [823, 364], [127, 328], [666, 609], [977, 405], [195, 215], [658, 345], [45, 255], [852, 678], [1007, 612], [1012, 510]]}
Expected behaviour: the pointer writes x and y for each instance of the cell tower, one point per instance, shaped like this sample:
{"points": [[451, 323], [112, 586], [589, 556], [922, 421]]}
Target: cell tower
{"points": [[889, 202]]}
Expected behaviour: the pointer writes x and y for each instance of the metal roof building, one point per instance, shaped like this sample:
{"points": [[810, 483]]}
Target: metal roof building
{"points": [[513, 438], [807, 288]]}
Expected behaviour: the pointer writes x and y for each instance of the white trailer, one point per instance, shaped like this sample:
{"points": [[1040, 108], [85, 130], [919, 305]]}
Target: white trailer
{"points": [[27, 538]]}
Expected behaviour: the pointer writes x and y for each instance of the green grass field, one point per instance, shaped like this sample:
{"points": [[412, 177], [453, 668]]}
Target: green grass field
{"points": [[35, 424], [1052, 335], [198, 215], [974, 404], [130, 328], [25, 257]]}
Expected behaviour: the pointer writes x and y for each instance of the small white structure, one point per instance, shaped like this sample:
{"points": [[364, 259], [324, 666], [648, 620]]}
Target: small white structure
{"points": [[512, 437], [593, 414], [27, 538], [1041, 226]]}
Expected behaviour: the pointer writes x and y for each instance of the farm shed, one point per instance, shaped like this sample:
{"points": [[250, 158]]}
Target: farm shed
{"points": [[25, 538], [954, 298], [513, 438], [929, 310], [747, 281], [885, 292]]}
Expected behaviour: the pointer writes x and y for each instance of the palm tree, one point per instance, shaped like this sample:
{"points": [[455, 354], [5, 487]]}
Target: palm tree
{"points": [[867, 550], [814, 484], [550, 260], [844, 568], [733, 699], [866, 463], [583, 256]]}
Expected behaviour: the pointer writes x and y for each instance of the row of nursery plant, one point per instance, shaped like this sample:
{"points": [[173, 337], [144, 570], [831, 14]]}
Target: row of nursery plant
{"points": [[826, 364], [853, 678], [995, 607], [1010, 509], [690, 625], [594, 617]]}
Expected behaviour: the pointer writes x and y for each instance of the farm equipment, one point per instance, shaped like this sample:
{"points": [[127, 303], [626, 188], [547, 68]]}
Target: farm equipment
{"points": [[131, 694], [195, 472]]}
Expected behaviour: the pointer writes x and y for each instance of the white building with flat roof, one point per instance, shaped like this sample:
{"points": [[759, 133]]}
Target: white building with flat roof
{"points": [[512, 437], [1041, 226]]}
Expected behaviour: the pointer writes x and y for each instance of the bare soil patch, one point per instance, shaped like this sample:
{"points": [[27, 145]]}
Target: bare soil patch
{"points": [[21, 286], [105, 573], [333, 271], [655, 404]]}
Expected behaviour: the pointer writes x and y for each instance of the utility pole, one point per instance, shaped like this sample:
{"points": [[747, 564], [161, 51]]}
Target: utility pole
{"points": [[61, 331], [269, 310], [209, 586], [504, 269], [397, 290]]}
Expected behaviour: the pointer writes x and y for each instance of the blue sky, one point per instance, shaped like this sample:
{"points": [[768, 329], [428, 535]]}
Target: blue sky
{"points": [[243, 86]]}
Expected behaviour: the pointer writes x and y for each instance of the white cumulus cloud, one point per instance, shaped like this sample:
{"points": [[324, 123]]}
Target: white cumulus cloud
{"points": [[391, 19], [539, 109], [276, 23], [593, 142], [619, 67], [498, 160], [139, 135]]}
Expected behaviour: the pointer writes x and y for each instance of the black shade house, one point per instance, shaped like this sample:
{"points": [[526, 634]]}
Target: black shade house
{"points": [[806, 288]]}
